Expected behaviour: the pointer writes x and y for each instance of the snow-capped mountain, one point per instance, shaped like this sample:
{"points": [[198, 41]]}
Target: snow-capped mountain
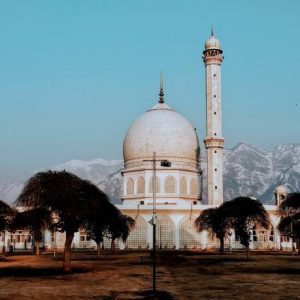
{"points": [[112, 185], [247, 170], [94, 170], [286, 170], [11, 185], [104, 173]]}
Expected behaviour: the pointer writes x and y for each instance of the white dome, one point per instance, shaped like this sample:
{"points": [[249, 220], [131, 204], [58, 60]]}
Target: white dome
{"points": [[212, 43], [164, 131], [281, 190]]}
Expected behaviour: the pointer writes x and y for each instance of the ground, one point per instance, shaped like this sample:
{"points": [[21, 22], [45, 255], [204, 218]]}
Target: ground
{"points": [[181, 275]]}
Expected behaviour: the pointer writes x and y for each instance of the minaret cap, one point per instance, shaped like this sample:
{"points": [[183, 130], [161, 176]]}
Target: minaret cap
{"points": [[212, 42]]}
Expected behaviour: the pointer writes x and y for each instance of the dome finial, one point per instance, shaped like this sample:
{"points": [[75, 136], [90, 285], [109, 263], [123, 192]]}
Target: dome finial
{"points": [[212, 30], [161, 92]]}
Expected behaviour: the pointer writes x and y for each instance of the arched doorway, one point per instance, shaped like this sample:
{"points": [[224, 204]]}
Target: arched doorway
{"points": [[189, 238], [137, 238], [165, 232]]}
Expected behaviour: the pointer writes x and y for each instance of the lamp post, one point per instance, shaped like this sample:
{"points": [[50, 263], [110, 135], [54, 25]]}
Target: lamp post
{"points": [[154, 224], [163, 163]]}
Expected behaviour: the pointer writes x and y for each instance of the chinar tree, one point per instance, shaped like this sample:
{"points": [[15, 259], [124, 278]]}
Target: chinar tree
{"points": [[119, 229], [70, 199], [240, 214], [6, 214], [289, 210], [101, 224], [216, 220], [35, 220], [243, 214]]}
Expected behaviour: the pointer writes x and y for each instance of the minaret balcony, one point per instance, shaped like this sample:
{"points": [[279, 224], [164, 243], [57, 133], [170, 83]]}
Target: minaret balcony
{"points": [[211, 142]]}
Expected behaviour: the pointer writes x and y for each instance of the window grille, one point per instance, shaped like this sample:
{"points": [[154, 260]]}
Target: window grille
{"points": [[183, 186], [165, 230], [141, 185], [188, 236], [130, 186], [157, 185], [137, 237], [170, 184], [194, 187]]}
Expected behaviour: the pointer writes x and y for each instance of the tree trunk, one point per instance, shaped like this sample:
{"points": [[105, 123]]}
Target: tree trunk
{"points": [[222, 251], [293, 247], [37, 248], [113, 246], [247, 252], [3, 247], [98, 249], [67, 252]]}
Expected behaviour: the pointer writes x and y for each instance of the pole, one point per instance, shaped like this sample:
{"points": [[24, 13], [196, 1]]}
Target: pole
{"points": [[54, 240], [154, 225]]}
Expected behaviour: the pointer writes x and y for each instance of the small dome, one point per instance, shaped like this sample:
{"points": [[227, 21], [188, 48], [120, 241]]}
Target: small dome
{"points": [[164, 131], [281, 190], [212, 43]]}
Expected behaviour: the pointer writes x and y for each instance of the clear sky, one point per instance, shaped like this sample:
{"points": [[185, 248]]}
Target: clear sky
{"points": [[75, 74]]}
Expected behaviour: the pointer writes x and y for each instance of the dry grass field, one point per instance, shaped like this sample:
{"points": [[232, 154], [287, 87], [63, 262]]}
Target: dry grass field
{"points": [[181, 275]]}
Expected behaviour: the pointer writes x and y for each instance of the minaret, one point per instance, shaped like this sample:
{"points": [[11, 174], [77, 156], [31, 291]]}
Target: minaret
{"points": [[212, 57]]}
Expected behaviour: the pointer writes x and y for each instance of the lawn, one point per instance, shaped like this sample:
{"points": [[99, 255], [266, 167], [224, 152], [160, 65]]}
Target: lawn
{"points": [[181, 275]]}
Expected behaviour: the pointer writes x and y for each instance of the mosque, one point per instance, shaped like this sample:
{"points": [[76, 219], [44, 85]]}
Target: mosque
{"points": [[162, 171], [163, 135]]}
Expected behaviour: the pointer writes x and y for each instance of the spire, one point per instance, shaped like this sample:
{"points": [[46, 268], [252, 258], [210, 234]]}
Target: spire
{"points": [[212, 30], [161, 92]]}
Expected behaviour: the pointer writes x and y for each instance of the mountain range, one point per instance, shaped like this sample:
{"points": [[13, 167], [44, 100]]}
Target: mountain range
{"points": [[247, 171]]}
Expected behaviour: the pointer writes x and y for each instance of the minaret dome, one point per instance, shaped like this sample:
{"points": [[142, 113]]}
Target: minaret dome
{"points": [[212, 43]]}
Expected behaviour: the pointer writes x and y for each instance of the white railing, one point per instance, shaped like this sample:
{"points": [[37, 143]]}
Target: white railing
{"points": [[84, 245]]}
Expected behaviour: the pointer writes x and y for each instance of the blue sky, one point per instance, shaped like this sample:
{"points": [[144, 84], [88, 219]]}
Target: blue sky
{"points": [[75, 74]]}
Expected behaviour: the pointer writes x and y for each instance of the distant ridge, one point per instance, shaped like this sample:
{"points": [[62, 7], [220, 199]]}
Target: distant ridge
{"points": [[247, 171]]}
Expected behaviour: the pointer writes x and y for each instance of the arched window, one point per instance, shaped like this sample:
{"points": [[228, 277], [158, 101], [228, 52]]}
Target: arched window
{"points": [[130, 186], [194, 188], [141, 185], [157, 185], [183, 185], [170, 184]]}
